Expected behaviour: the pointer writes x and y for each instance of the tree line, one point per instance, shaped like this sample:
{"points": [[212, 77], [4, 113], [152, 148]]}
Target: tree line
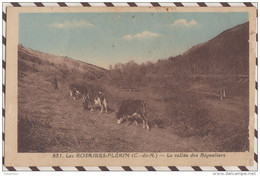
{"points": [[167, 72], [132, 75]]}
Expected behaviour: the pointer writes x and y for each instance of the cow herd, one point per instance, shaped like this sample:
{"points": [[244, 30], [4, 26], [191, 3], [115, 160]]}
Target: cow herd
{"points": [[128, 109]]}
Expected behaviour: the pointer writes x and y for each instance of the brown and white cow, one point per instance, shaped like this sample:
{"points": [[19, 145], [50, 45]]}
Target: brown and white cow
{"points": [[132, 109], [101, 101], [95, 97]]}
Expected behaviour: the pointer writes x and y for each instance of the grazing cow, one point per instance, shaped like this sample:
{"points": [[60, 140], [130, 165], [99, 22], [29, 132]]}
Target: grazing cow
{"points": [[77, 91], [101, 101], [93, 99], [132, 109]]}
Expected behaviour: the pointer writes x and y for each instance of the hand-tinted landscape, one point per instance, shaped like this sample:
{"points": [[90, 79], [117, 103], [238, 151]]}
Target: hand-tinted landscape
{"points": [[197, 101]]}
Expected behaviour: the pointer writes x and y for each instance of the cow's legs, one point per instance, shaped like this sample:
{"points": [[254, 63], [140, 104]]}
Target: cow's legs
{"points": [[70, 93], [101, 111], [147, 126], [136, 123], [144, 124], [100, 104], [91, 107], [127, 121], [105, 104], [135, 117]]}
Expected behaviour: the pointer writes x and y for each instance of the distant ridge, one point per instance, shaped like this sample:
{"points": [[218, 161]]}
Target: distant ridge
{"points": [[227, 53], [51, 57], [31, 61]]}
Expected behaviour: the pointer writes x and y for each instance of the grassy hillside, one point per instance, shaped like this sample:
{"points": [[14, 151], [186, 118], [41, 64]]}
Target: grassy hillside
{"points": [[64, 68], [227, 53]]}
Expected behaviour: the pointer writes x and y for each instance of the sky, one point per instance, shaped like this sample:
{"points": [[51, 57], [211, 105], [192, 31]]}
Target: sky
{"points": [[105, 39]]}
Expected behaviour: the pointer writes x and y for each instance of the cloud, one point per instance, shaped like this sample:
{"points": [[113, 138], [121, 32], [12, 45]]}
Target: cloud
{"points": [[141, 36], [71, 24], [146, 34], [128, 37], [184, 22]]}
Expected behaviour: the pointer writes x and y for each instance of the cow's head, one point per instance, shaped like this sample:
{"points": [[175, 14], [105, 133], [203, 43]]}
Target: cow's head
{"points": [[96, 101], [85, 104], [119, 118]]}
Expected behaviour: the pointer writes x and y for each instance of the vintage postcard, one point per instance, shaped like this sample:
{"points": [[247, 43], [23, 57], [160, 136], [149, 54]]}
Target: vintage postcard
{"points": [[130, 86]]}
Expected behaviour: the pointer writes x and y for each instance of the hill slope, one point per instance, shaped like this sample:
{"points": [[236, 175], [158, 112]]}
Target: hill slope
{"points": [[31, 61], [227, 53]]}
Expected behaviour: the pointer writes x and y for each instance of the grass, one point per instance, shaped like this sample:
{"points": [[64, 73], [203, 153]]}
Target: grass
{"points": [[35, 135], [231, 138]]}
